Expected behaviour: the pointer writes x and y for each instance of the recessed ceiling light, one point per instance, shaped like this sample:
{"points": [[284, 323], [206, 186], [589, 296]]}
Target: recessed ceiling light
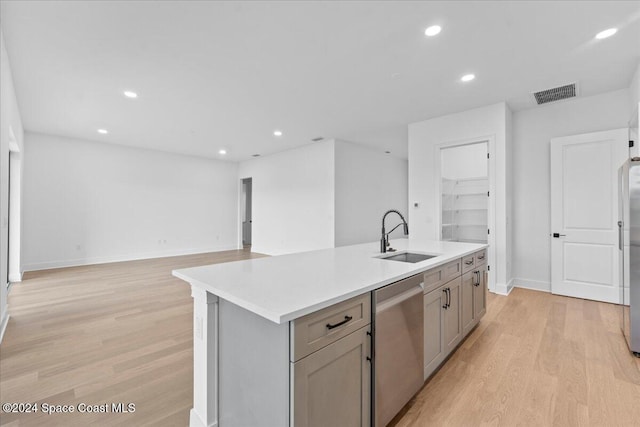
{"points": [[606, 33], [432, 30], [387, 152], [467, 77], [255, 155], [130, 94], [103, 131], [277, 133], [223, 152]]}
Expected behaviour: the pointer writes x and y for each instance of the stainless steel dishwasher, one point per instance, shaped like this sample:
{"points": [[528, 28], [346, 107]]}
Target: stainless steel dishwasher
{"points": [[398, 347]]}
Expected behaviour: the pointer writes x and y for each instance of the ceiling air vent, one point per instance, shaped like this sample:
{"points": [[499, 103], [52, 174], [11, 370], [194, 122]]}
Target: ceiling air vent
{"points": [[556, 93]]}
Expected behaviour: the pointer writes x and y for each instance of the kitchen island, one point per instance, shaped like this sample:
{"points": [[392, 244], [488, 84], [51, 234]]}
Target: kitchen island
{"points": [[248, 318]]}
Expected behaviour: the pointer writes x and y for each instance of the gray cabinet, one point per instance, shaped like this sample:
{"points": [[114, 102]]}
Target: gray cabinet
{"points": [[453, 309], [474, 292], [480, 293], [468, 295], [434, 302], [332, 386], [438, 276], [452, 333], [316, 330], [442, 326]]}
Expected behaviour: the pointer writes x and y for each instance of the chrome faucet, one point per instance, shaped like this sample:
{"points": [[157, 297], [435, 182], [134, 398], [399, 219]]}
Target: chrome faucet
{"points": [[384, 241]]}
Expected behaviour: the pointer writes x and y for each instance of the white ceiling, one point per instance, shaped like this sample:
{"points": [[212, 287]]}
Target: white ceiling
{"points": [[214, 75]]}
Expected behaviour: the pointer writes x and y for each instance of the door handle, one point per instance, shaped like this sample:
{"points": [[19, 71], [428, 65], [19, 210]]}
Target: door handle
{"points": [[620, 235], [445, 300], [557, 235], [448, 297]]}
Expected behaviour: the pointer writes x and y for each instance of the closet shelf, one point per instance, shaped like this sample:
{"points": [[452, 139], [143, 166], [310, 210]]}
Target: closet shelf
{"points": [[464, 209]]}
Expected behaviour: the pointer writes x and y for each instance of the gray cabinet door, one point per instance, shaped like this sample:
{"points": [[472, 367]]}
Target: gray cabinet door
{"points": [[467, 290], [480, 293], [433, 342], [332, 387], [452, 320]]}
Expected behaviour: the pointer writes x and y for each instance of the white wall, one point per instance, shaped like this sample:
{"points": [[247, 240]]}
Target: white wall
{"points": [[11, 133], [532, 132], [367, 184], [87, 202], [293, 199], [486, 123], [464, 161], [634, 89]]}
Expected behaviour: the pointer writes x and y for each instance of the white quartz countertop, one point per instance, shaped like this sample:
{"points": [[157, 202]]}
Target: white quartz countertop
{"points": [[285, 287]]}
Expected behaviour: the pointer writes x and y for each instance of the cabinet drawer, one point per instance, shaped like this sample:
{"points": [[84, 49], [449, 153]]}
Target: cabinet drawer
{"points": [[481, 257], [316, 330], [440, 275], [468, 263]]}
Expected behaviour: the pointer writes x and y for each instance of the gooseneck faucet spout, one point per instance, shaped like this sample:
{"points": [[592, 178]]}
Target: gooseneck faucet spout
{"points": [[384, 241]]}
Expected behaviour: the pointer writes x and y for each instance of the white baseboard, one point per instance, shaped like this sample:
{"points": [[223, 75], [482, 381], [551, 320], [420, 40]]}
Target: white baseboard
{"points": [[536, 285], [15, 277], [45, 265], [196, 421], [504, 289], [5, 322]]}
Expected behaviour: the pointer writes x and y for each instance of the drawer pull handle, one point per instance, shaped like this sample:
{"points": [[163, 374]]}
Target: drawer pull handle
{"points": [[469, 262], [346, 319], [481, 257], [477, 274]]}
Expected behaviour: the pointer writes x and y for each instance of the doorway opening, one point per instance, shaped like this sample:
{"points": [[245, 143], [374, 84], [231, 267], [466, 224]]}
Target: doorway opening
{"points": [[465, 200], [245, 212], [464, 183]]}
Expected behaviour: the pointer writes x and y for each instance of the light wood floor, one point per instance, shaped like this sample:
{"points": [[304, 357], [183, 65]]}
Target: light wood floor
{"points": [[107, 333], [535, 359], [123, 333]]}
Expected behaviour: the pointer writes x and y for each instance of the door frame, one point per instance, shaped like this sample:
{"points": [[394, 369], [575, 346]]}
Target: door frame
{"points": [[240, 244], [491, 214], [14, 273]]}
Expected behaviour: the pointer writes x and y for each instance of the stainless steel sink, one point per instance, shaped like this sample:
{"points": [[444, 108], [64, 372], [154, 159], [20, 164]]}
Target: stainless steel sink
{"points": [[408, 257]]}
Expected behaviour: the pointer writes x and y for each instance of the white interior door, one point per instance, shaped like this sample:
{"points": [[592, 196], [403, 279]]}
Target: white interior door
{"points": [[584, 214]]}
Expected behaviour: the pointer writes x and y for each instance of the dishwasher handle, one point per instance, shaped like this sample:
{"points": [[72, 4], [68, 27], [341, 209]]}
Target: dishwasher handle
{"points": [[397, 299]]}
